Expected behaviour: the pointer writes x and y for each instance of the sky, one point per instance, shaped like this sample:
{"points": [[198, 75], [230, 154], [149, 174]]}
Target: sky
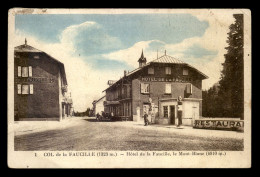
{"points": [[96, 48]]}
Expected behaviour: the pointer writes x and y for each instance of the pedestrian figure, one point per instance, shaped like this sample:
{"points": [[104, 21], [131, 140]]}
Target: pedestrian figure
{"points": [[145, 119]]}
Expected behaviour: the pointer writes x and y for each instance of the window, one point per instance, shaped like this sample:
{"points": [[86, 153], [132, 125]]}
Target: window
{"points": [[25, 89], [24, 71], [185, 72], [145, 88], [19, 89], [168, 88], [189, 89], [167, 70], [165, 111], [150, 70], [19, 71], [123, 91], [36, 57]]}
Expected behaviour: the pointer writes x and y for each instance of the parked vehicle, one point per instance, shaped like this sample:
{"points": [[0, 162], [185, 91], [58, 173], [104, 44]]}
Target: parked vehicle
{"points": [[104, 116]]}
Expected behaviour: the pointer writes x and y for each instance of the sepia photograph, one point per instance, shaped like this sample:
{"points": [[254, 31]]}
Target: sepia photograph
{"points": [[129, 88]]}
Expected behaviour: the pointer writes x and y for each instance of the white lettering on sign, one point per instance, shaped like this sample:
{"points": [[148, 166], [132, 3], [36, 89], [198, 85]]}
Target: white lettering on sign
{"points": [[218, 124], [162, 79], [36, 79]]}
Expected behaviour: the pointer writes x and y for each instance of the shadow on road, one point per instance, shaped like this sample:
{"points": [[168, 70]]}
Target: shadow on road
{"points": [[91, 120], [95, 120]]}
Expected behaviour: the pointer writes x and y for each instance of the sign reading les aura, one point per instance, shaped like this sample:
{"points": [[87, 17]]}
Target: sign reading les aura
{"points": [[218, 124]]}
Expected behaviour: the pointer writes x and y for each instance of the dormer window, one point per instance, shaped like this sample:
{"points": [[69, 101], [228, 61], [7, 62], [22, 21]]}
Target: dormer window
{"points": [[185, 72], [151, 70]]}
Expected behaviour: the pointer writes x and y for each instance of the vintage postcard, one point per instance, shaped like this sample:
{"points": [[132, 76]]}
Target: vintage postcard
{"points": [[129, 88]]}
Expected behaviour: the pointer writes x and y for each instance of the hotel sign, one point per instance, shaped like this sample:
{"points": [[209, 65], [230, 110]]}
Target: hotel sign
{"points": [[163, 79], [218, 124], [36, 80]]}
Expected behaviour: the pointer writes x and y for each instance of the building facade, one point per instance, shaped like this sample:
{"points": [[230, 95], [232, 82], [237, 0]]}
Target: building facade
{"points": [[162, 88], [98, 105], [40, 86]]}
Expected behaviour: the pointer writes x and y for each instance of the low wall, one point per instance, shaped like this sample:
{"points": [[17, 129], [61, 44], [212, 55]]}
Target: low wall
{"points": [[219, 123], [187, 121]]}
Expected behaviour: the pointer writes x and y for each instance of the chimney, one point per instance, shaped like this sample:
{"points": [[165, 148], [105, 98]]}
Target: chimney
{"points": [[124, 73], [165, 52], [25, 41]]}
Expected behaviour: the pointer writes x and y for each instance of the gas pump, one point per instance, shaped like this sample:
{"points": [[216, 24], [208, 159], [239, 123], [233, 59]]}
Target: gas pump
{"points": [[179, 111]]}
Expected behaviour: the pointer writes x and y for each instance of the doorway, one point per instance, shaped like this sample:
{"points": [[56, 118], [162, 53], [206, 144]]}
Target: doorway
{"points": [[172, 115]]}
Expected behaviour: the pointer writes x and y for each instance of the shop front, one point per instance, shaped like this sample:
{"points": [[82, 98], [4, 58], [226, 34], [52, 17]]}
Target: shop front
{"points": [[174, 112]]}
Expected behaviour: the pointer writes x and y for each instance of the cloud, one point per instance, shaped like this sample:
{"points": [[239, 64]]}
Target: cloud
{"points": [[133, 53], [206, 53], [79, 44], [85, 83], [89, 38], [214, 39]]}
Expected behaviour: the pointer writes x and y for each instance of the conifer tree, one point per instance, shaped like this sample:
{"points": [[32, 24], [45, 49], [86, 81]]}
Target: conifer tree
{"points": [[231, 91]]}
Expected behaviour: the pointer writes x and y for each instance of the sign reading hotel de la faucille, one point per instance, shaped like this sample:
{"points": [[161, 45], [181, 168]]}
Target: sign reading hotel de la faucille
{"points": [[163, 79]]}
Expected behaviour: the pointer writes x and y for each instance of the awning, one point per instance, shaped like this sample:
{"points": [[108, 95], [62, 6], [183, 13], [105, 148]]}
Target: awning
{"points": [[106, 103]]}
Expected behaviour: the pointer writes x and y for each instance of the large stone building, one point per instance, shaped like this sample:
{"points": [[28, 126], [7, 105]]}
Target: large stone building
{"points": [[40, 86], [154, 88]]}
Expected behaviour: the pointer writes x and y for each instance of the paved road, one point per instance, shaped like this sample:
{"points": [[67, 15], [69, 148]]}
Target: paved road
{"points": [[91, 135]]}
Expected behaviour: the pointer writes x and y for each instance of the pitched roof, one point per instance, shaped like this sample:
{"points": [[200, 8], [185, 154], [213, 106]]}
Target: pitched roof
{"points": [[167, 59], [26, 48], [95, 101], [29, 49], [163, 59]]}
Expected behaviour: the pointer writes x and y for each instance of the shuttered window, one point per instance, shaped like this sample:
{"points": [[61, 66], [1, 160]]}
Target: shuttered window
{"points": [[168, 70], [145, 88], [19, 89], [19, 71], [168, 88], [24, 71], [25, 89], [189, 88]]}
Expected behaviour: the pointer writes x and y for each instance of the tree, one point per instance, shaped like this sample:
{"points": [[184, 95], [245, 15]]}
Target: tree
{"points": [[231, 91], [88, 112], [211, 102]]}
